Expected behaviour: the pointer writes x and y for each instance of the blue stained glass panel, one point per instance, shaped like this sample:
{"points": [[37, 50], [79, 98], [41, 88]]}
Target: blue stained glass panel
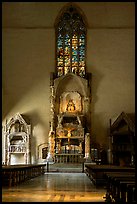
{"points": [[67, 39], [70, 47], [60, 41], [75, 58], [74, 52], [81, 58], [81, 52], [82, 55], [67, 53]]}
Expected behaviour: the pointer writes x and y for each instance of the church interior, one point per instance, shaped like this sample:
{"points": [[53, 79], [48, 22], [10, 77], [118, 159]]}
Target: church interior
{"points": [[68, 101]]}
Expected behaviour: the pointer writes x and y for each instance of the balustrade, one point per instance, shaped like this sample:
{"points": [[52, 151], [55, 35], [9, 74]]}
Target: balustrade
{"points": [[17, 148], [69, 158]]}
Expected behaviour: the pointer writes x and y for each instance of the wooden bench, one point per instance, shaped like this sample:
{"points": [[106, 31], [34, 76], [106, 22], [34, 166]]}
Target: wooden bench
{"points": [[15, 174], [120, 186], [96, 172]]}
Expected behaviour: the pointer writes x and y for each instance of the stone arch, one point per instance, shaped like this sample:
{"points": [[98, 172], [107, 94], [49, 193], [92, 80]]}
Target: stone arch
{"points": [[64, 8], [70, 83]]}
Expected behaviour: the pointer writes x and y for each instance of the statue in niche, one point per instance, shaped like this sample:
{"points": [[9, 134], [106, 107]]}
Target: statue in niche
{"points": [[70, 106]]}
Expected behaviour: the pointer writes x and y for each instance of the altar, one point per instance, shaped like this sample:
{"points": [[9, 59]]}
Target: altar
{"points": [[70, 133]]}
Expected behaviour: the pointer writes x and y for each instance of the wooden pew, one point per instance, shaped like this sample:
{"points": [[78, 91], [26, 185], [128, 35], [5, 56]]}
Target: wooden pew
{"points": [[15, 174], [120, 186], [131, 193], [96, 172]]}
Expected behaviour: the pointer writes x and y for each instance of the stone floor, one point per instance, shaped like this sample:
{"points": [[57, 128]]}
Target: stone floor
{"points": [[55, 187]]}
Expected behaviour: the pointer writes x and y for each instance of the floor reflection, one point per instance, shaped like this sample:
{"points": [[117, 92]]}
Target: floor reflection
{"points": [[55, 187]]}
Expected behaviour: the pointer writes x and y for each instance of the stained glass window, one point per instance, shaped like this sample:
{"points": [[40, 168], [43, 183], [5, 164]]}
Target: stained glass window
{"points": [[71, 43]]}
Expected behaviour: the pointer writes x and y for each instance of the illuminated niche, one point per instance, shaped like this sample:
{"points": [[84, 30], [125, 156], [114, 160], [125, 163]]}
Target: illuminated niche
{"points": [[70, 102]]}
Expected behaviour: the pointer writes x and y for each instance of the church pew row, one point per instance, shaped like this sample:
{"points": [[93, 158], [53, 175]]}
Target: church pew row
{"points": [[15, 174], [96, 172], [120, 187]]}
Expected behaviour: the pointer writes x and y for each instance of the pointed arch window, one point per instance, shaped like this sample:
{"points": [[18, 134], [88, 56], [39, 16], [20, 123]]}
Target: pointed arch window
{"points": [[71, 43]]}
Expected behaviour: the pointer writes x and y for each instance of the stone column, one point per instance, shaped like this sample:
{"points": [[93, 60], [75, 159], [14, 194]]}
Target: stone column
{"points": [[51, 140], [28, 139], [3, 145], [87, 147], [8, 158], [52, 109]]}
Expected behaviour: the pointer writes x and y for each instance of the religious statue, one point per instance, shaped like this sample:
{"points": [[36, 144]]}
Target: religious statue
{"points": [[70, 106]]}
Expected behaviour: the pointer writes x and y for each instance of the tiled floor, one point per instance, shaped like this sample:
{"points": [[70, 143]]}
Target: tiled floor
{"points": [[55, 187]]}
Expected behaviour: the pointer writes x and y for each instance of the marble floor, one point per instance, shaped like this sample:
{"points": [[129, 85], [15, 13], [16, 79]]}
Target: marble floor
{"points": [[55, 187]]}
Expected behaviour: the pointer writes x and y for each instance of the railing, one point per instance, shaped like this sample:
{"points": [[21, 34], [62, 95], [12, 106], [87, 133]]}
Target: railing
{"points": [[68, 158]]}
